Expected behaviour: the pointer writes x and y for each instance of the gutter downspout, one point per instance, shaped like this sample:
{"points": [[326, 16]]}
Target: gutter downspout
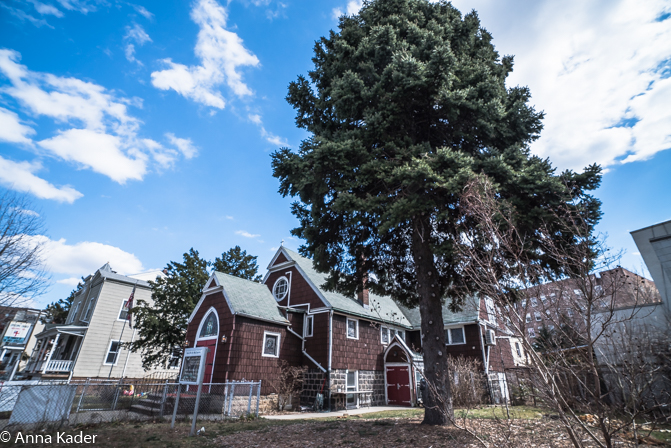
{"points": [[330, 353], [304, 351]]}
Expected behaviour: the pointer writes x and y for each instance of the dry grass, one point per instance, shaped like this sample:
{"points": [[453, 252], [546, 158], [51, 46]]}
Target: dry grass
{"points": [[383, 429]]}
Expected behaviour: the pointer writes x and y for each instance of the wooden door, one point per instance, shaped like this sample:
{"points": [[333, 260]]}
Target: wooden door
{"points": [[209, 360], [398, 385]]}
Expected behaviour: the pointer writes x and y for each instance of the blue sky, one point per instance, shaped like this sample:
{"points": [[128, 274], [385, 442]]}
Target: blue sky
{"points": [[143, 129]]}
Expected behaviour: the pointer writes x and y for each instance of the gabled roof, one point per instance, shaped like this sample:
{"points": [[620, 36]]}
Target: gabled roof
{"points": [[249, 298], [382, 308], [106, 272]]}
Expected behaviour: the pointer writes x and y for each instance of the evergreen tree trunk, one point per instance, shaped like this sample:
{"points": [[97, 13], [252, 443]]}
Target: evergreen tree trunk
{"points": [[438, 409]]}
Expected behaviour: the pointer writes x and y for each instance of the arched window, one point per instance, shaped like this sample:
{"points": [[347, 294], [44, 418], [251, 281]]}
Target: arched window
{"points": [[210, 326], [281, 288]]}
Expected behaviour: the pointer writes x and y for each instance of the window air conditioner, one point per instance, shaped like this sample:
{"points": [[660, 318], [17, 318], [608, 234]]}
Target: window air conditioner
{"points": [[490, 337]]}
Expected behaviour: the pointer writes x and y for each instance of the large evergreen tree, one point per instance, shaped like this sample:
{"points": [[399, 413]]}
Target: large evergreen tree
{"points": [[236, 262], [57, 312], [162, 326], [407, 102]]}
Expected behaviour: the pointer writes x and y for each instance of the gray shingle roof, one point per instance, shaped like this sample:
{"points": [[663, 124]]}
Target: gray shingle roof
{"points": [[382, 307], [250, 298]]}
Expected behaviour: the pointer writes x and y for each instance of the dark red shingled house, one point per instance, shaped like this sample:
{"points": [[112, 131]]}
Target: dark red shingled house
{"points": [[360, 352]]}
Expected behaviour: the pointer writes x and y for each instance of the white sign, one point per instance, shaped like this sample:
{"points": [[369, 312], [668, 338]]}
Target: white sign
{"points": [[193, 365], [17, 332]]}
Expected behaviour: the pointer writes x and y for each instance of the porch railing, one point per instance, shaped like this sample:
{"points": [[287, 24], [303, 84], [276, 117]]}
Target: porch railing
{"points": [[59, 365]]}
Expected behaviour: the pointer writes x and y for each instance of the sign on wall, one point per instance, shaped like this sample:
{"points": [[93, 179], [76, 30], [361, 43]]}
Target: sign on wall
{"points": [[193, 365], [16, 333]]}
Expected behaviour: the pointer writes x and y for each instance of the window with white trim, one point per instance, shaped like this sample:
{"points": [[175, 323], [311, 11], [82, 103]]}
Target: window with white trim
{"points": [[210, 326], [123, 314], [532, 332], [352, 328], [271, 345], [89, 310], [518, 349], [113, 353], [534, 301], [393, 332], [548, 313], [491, 311], [384, 335], [528, 318], [524, 304], [352, 386], [280, 288], [175, 358], [455, 336], [538, 317], [74, 313], [308, 327]]}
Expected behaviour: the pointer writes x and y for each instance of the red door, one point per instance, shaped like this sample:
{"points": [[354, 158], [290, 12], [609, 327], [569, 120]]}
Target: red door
{"points": [[398, 385], [209, 361]]}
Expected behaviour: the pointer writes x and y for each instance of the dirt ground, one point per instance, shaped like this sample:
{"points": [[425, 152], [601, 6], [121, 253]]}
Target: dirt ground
{"points": [[346, 432]]}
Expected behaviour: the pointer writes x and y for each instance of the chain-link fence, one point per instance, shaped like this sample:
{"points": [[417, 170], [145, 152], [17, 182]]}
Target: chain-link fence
{"points": [[96, 401]]}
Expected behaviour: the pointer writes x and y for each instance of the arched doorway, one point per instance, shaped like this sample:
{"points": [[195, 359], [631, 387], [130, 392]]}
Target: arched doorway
{"points": [[207, 335], [398, 374]]}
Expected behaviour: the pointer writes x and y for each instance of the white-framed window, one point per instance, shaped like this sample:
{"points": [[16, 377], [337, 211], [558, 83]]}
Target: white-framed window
{"points": [[209, 327], [271, 345], [548, 313], [308, 327], [538, 316], [113, 353], [534, 301], [455, 336], [123, 312], [518, 349], [384, 335], [352, 328], [281, 288], [528, 317], [352, 386], [393, 332], [74, 313], [89, 310], [491, 311], [175, 358], [524, 304], [543, 298], [532, 332], [577, 292]]}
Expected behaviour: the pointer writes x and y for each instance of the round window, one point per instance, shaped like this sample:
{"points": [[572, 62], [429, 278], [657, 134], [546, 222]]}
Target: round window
{"points": [[281, 288]]}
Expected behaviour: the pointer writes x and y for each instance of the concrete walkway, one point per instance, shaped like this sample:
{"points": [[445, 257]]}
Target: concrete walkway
{"points": [[304, 415]]}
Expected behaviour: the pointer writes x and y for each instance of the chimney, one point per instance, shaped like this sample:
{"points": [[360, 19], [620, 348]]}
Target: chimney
{"points": [[363, 294]]}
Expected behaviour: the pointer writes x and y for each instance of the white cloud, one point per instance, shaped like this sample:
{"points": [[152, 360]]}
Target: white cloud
{"points": [[185, 145], [45, 9], [143, 11], [99, 132], [352, 7], [72, 281], [600, 71], [138, 35], [229, 217], [108, 158], [82, 259], [83, 6], [221, 53], [268, 136], [11, 129], [24, 16], [246, 234], [19, 176]]}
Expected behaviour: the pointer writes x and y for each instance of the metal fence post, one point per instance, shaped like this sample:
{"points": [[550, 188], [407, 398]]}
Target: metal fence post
{"points": [[174, 411], [230, 399], [116, 394], [165, 394], [81, 397], [224, 411], [249, 401], [258, 397]]}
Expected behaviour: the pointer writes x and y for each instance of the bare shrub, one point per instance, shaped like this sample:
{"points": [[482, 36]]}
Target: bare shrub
{"points": [[467, 383], [288, 383]]}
